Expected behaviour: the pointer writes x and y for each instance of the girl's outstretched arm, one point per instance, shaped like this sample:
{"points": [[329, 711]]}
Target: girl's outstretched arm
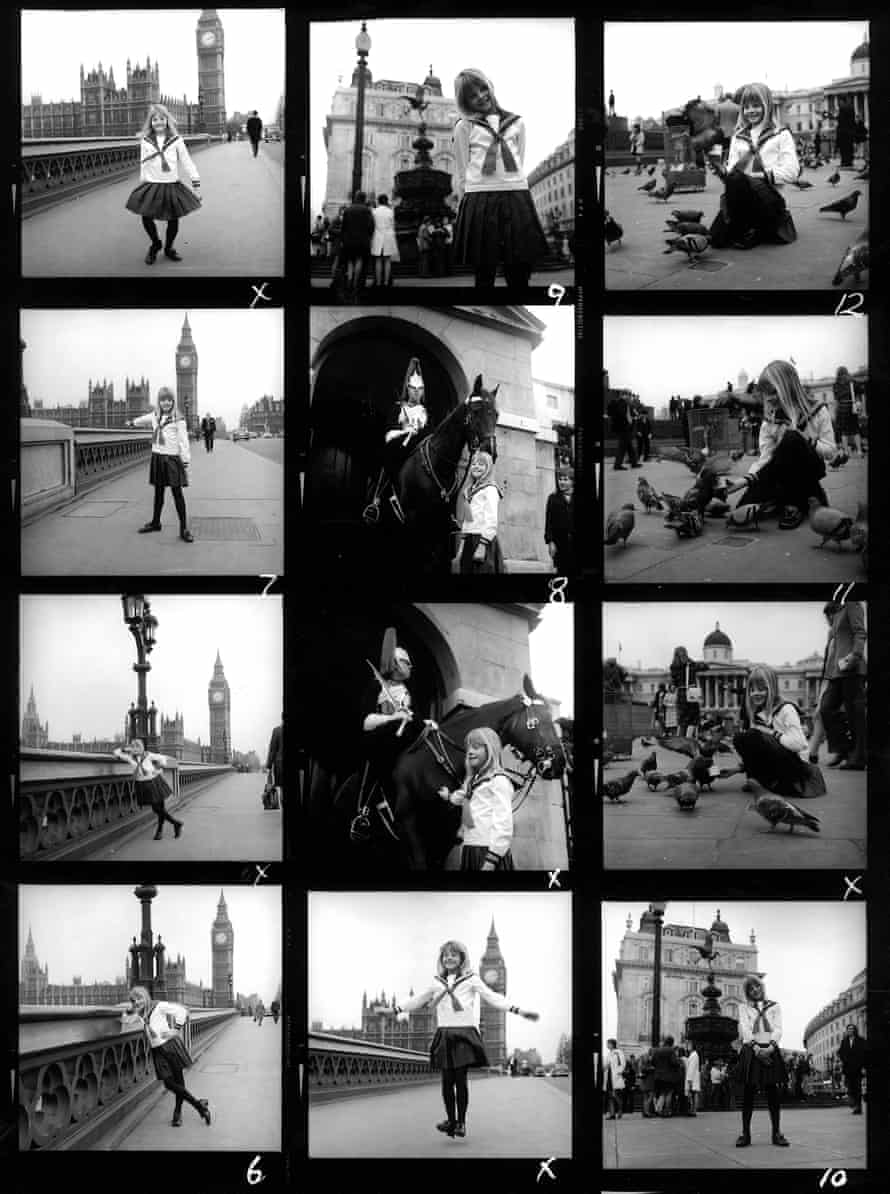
{"points": [[414, 1002]]}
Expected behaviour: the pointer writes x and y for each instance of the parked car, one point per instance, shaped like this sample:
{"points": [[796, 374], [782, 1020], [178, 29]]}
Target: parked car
{"points": [[268, 435], [540, 1071], [240, 433], [559, 1071]]}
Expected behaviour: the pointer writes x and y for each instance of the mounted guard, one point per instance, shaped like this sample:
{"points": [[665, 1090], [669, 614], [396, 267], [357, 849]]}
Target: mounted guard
{"points": [[407, 426]]}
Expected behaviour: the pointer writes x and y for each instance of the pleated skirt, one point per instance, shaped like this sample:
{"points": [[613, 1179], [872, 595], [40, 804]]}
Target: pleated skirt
{"points": [[167, 471], [494, 226], [163, 200], [452, 1048]]}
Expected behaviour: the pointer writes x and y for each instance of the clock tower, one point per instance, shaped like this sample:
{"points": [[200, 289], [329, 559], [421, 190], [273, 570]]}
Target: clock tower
{"points": [[220, 702], [222, 952], [211, 76], [187, 378], [492, 1021]]}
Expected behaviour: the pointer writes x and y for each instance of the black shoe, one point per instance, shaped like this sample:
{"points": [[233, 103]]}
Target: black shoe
{"points": [[187, 536], [205, 1111], [446, 1126], [780, 1140], [149, 526], [176, 1121], [158, 836], [792, 517], [172, 255], [744, 1140], [856, 1111], [460, 1129], [177, 829], [152, 255]]}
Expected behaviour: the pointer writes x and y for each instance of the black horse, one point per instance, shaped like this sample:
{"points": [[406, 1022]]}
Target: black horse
{"points": [[424, 827], [430, 477]]}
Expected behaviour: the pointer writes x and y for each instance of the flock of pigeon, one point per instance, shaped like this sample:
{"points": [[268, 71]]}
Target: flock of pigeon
{"points": [[685, 787], [707, 499], [691, 236]]}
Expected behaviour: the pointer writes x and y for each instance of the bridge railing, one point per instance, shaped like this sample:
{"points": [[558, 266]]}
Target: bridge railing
{"points": [[58, 168], [78, 1070], [340, 1066], [67, 798]]}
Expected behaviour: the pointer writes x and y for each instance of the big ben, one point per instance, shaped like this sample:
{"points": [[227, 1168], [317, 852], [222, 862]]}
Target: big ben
{"points": [[187, 378], [492, 1021], [211, 76], [220, 701], [222, 952]]}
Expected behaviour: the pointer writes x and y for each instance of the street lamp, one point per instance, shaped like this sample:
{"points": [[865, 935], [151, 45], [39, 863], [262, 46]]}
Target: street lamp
{"points": [[143, 625], [363, 46], [657, 911]]}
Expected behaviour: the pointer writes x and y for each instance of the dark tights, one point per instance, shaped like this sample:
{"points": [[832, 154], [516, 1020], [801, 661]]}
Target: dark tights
{"points": [[176, 1086], [772, 1102], [455, 1093], [178, 502], [152, 229], [516, 276], [162, 815]]}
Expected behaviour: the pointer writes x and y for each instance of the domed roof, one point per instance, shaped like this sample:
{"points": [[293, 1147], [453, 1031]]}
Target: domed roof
{"points": [[717, 638], [719, 926], [861, 51], [433, 82]]}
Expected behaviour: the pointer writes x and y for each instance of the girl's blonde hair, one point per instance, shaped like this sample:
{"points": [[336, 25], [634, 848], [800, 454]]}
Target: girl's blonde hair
{"points": [[166, 392], [160, 110], [770, 681], [489, 740], [458, 947], [140, 996], [472, 78], [797, 406], [762, 94]]}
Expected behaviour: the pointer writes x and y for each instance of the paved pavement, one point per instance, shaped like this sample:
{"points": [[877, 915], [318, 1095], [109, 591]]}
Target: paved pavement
{"points": [[820, 1138], [232, 492], [650, 831], [640, 263], [240, 1076], [239, 230], [656, 555], [542, 278], [507, 1117], [224, 822]]}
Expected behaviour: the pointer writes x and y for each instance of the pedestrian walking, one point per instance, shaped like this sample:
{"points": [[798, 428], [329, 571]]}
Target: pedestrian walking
{"points": [[667, 1077], [486, 803], [630, 1085], [152, 789], [613, 1079], [275, 756], [457, 1047], [356, 232], [611, 103], [692, 1081], [384, 246], [843, 704], [480, 551], [254, 130], [170, 459], [163, 1023], [497, 222], [275, 1009], [260, 1012], [161, 193], [851, 1054], [637, 146], [621, 424], [760, 1059], [559, 523]]}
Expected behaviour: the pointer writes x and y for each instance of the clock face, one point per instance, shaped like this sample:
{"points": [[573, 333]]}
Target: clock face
{"points": [[221, 938], [185, 360], [208, 38], [216, 697], [491, 976]]}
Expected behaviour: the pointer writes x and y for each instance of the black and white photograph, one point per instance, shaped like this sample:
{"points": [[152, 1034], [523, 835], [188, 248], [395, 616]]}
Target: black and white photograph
{"points": [[735, 734], [745, 443], [437, 737], [442, 440], [748, 1017], [431, 164], [744, 166], [191, 125], [152, 442], [139, 1018], [179, 762], [456, 1030]]}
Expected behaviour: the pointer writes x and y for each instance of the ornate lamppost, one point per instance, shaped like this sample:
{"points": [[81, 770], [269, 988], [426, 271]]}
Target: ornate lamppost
{"points": [[145, 893], [657, 911], [142, 624], [363, 46]]}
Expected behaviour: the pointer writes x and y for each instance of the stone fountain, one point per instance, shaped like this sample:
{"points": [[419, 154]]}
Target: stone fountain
{"points": [[422, 190]]}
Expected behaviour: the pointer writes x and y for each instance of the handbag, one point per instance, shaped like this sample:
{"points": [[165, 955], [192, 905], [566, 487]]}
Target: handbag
{"points": [[693, 692]]}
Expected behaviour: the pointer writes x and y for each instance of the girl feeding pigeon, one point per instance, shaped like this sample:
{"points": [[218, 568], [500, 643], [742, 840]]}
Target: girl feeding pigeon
{"points": [[497, 220], [773, 747], [796, 438], [762, 159], [161, 194], [454, 992], [486, 800]]}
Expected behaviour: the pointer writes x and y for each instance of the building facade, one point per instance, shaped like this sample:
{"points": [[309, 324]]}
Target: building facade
{"points": [[683, 974], [35, 734], [823, 1034], [552, 187], [210, 41], [265, 415], [390, 127], [219, 700]]}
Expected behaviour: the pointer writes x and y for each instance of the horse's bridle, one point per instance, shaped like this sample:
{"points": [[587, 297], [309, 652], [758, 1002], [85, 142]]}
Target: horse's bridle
{"points": [[447, 492]]}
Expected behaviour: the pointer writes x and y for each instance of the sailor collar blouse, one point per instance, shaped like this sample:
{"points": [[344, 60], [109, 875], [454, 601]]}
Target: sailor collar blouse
{"points": [[165, 163], [473, 138], [164, 1020], [148, 767], [491, 803], [760, 1023], [465, 992], [776, 154], [170, 435]]}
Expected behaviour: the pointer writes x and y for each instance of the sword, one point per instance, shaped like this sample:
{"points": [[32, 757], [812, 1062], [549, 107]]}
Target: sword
{"points": [[388, 691]]}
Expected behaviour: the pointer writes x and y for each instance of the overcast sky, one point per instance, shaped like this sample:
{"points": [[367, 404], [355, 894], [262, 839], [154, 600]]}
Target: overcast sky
{"points": [[78, 654], [505, 49], [808, 950], [56, 43], [659, 356], [87, 930], [240, 354], [554, 358], [354, 945], [761, 631], [552, 647], [655, 66]]}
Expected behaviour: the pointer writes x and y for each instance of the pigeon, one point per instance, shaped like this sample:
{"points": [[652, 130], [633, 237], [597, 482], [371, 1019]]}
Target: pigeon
{"points": [[693, 245], [843, 206], [612, 230], [802, 184], [648, 496], [664, 193], [682, 745], [687, 227], [699, 769], [716, 508], [859, 529], [650, 763], [627, 171], [829, 523], [648, 186], [744, 516], [675, 778], [686, 797], [653, 779], [854, 261], [619, 524], [736, 453], [835, 178], [614, 789], [693, 216], [779, 811], [651, 170]]}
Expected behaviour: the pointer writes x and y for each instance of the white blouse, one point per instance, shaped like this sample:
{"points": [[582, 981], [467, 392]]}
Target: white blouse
{"points": [[785, 724], [174, 438], [778, 155], [174, 153], [468, 990], [748, 1018], [471, 144], [819, 431], [148, 767], [164, 1020], [482, 518], [491, 806]]}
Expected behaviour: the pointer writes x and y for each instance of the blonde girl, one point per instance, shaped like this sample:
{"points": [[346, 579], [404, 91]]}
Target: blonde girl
{"points": [[486, 799], [170, 459], [480, 550], [163, 1023], [161, 195]]}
